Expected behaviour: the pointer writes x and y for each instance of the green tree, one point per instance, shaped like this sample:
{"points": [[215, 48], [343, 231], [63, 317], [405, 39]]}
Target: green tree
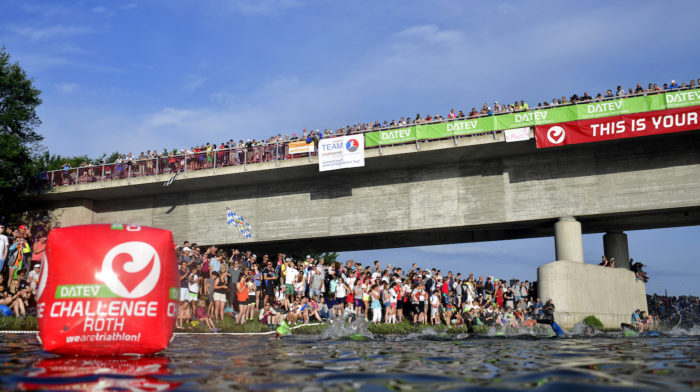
{"points": [[18, 138], [45, 161]]}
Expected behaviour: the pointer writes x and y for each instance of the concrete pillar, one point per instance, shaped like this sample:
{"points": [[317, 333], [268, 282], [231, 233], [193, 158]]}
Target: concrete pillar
{"points": [[568, 242], [74, 212], [615, 245]]}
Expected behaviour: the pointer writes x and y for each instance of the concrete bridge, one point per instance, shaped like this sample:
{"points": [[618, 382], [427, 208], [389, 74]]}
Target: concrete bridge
{"points": [[467, 189]]}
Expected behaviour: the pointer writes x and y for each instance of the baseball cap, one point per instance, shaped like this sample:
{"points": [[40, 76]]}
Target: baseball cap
{"points": [[23, 227], [37, 265]]}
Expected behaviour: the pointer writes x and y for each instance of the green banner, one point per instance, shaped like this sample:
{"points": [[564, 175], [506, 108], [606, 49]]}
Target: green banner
{"points": [[98, 291], [680, 99], [616, 107], [390, 136], [455, 128], [84, 291], [609, 108], [535, 117]]}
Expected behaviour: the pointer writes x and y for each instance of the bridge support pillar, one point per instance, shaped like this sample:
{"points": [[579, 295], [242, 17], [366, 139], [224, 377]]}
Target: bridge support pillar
{"points": [[568, 242], [615, 245], [579, 290]]}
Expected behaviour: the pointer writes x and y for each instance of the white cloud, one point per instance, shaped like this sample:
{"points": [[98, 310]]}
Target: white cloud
{"points": [[38, 62], [262, 6], [50, 32], [173, 117], [193, 82], [430, 36], [67, 88]]}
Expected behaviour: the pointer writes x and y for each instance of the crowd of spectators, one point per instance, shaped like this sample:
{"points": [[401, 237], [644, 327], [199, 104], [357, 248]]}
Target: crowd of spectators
{"points": [[21, 252], [230, 152], [214, 283], [683, 311]]}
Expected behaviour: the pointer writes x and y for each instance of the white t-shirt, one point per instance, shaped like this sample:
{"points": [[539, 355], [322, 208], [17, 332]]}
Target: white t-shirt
{"points": [[4, 242], [194, 287], [351, 282], [434, 301], [33, 278], [340, 291], [291, 275]]}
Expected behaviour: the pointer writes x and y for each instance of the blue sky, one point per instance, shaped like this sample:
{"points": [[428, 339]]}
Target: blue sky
{"points": [[132, 76]]}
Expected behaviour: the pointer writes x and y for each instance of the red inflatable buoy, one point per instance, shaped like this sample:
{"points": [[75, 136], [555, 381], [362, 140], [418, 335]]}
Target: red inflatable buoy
{"points": [[107, 290]]}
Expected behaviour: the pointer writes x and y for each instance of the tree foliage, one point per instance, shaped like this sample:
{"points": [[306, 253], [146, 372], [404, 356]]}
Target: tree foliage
{"points": [[19, 100], [46, 161]]}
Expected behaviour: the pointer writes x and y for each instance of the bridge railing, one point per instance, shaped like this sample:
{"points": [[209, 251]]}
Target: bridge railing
{"points": [[169, 165]]}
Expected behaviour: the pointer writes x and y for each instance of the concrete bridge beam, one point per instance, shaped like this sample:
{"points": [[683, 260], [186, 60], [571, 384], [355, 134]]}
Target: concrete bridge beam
{"points": [[615, 245], [568, 240]]}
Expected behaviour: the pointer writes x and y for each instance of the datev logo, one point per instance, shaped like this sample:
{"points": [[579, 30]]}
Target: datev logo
{"points": [[352, 145], [556, 134], [125, 269]]}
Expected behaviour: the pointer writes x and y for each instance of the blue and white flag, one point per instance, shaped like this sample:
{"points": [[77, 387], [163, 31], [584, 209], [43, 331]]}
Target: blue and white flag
{"points": [[239, 223]]}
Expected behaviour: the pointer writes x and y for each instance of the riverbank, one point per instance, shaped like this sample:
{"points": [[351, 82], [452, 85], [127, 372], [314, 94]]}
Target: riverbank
{"points": [[228, 325]]}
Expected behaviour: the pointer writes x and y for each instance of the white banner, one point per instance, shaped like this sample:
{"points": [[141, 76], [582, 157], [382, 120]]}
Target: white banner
{"points": [[517, 134], [341, 152]]}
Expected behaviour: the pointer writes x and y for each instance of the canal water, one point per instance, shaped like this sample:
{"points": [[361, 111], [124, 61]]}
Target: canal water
{"points": [[426, 361]]}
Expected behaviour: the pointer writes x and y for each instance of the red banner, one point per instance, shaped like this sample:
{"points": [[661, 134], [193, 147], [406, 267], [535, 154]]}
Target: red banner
{"points": [[618, 127]]}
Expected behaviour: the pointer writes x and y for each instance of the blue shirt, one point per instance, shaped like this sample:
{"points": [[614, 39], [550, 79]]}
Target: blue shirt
{"points": [[215, 264]]}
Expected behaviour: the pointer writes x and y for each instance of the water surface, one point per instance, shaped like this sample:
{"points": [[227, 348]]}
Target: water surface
{"points": [[417, 362]]}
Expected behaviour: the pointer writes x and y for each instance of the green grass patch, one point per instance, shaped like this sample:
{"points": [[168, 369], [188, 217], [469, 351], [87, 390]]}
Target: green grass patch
{"points": [[229, 325], [593, 321], [310, 329], [12, 323], [405, 328]]}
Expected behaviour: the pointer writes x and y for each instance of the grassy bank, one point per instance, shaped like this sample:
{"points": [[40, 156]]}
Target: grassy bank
{"points": [[229, 325], [18, 324]]}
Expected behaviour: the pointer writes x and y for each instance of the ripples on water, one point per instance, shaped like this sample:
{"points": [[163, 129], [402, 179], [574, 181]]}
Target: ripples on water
{"points": [[418, 362]]}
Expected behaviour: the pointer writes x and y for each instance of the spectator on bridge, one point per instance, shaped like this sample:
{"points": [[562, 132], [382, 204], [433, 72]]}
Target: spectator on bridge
{"points": [[620, 92], [638, 272]]}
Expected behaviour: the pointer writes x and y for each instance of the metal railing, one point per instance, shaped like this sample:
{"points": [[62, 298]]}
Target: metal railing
{"points": [[166, 165]]}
